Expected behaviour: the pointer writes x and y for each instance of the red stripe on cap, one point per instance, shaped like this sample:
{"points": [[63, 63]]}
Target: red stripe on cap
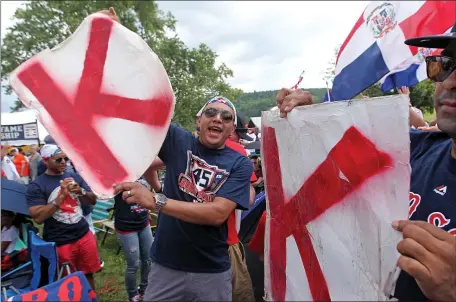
{"points": [[433, 17], [350, 35]]}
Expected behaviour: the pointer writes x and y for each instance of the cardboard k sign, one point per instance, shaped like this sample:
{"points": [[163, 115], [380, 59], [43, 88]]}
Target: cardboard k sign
{"points": [[104, 97], [335, 179]]}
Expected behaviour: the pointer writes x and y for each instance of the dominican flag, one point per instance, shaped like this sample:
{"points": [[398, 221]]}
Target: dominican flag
{"points": [[375, 46], [410, 72]]}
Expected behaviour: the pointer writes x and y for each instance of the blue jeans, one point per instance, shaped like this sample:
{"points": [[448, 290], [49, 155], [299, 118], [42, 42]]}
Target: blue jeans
{"points": [[136, 247]]}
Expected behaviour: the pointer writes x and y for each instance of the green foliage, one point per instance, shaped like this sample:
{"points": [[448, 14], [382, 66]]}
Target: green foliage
{"points": [[422, 95], [193, 74], [251, 104]]}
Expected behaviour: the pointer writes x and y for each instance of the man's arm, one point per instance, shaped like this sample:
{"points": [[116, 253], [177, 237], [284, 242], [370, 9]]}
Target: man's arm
{"points": [[212, 213], [151, 175], [89, 198], [41, 213], [23, 165], [259, 181], [252, 195]]}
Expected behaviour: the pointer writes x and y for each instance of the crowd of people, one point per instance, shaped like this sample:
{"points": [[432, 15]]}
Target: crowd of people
{"points": [[196, 253]]}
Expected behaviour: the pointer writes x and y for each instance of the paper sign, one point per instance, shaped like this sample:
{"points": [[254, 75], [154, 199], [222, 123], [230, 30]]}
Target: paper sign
{"points": [[104, 97], [336, 176]]}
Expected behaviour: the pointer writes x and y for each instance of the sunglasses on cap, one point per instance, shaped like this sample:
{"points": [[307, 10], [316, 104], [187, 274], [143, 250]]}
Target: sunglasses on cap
{"points": [[439, 68], [225, 115], [59, 160]]}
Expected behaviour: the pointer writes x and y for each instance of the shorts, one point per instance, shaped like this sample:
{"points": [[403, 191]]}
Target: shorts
{"points": [[82, 254], [167, 284], [242, 284]]}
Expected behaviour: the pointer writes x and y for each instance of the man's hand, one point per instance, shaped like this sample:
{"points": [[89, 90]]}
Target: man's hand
{"points": [[430, 128], [111, 13], [134, 192], [64, 188], [287, 99], [428, 254]]}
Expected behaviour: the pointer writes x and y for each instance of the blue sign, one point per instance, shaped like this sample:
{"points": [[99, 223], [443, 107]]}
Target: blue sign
{"points": [[19, 132]]}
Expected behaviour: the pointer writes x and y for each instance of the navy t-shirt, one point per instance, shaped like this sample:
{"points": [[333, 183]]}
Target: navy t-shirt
{"points": [[130, 217], [433, 193], [195, 173], [67, 224]]}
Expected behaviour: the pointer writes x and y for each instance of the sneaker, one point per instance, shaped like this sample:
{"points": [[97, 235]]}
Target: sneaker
{"points": [[101, 263], [137, 298]]}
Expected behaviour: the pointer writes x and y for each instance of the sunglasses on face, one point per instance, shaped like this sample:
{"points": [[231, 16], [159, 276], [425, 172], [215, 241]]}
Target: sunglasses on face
{"points": [[225, 115], [59, 160], [439, 67]]}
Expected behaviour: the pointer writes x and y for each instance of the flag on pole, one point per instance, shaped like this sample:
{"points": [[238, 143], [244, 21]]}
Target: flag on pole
{"points": [[328, 97], [299, 80], [375, 45], [410, 72]]}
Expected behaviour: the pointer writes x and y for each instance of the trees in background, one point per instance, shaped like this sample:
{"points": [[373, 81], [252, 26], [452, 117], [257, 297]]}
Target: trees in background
{"points": [[193, 73]]}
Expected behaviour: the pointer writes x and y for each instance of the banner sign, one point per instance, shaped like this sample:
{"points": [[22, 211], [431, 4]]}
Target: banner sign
{"points": [[20, 132], [74, 287], [107, 92], [335, 179]]}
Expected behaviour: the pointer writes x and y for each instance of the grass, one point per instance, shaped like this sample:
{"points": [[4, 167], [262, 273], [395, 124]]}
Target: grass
{"points": [[110, 282]]}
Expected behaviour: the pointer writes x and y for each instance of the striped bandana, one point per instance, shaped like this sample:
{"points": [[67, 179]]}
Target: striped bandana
{"points": [[219, 99], [48, 151]]}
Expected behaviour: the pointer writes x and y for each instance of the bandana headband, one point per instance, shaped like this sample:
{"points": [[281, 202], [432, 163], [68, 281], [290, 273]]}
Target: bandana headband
{"points": [[48, 151], [219, 99]]}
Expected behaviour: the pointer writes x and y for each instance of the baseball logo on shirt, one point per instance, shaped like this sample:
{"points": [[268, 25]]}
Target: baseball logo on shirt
{"points": [[438, 219], [200, 179], [70, 211], [414, 202]]}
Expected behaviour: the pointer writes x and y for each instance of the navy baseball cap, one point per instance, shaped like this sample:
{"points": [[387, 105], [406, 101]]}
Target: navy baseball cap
{"points": [[436, 41]]}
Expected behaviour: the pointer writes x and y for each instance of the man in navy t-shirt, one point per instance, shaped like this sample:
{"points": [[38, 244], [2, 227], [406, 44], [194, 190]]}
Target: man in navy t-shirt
{"points": [[205, 181], [428, 250], [54, 198]]}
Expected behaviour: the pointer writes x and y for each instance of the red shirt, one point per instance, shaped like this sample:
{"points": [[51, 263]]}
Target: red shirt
{"points": [[232, 233], [257, 243], [18, 160]]}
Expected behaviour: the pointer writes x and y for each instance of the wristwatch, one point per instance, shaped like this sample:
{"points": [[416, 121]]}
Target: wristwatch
{"points": [[160, 201]]}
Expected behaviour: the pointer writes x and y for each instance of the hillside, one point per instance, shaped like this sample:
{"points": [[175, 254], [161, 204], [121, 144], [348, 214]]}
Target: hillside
{"points": [[252, 103]]}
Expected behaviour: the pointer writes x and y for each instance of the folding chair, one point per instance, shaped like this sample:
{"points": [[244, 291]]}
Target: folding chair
{"points": [[102, 214], [38, 249]]}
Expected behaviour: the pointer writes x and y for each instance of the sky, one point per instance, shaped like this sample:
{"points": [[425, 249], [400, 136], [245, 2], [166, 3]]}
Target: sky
{"points": [[266, 43]]}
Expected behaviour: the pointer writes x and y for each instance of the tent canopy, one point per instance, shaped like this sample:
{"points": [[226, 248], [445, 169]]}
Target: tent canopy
{"points": [[23, 117]]}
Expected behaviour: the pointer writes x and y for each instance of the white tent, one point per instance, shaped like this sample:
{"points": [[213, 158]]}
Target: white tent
{"points": [[23, 117]]}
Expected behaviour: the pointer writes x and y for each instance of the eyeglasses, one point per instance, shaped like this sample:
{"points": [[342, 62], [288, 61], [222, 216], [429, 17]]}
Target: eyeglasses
{"points": [[225, 115], [439, 67], [59, 160]]}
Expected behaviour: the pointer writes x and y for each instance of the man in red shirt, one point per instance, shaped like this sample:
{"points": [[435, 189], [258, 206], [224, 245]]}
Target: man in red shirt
{"points": [[22, 165], [242, 284]]}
